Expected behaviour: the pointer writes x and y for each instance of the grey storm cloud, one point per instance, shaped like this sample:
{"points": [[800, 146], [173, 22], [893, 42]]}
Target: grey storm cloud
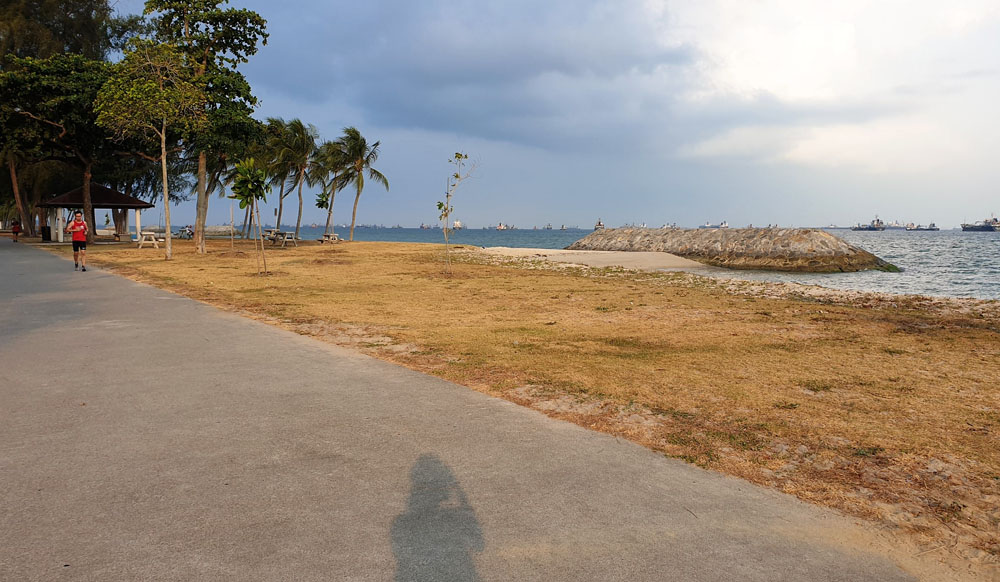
{"points": [[535, 73], [560, 74]]}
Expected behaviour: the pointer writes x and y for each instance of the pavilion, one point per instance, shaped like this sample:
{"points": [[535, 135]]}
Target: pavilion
{"points": [[101, 197]]}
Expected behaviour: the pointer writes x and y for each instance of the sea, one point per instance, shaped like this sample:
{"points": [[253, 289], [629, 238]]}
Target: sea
{"points": [[945, 263]]}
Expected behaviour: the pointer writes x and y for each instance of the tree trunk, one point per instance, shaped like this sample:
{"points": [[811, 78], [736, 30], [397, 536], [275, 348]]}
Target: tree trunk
{"points": [[281, 204], [201, 215], [298, 221], [354, 215], [88, 206], [246, 221], [120, 217], [27, 222], [166, 193], [329, 211], [260, 237]]}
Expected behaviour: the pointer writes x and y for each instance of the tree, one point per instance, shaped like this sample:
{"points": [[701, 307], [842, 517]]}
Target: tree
{"points": [[359, 157], [216, 40], [43, 28], [57, 94], [277, 136], [16, 146], [454, 180], [250, 186], [295, 153], [152, 94], [327, 164]]}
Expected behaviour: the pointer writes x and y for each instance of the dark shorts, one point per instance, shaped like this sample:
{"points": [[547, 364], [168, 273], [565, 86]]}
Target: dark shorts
{"points": [[79, 245]]}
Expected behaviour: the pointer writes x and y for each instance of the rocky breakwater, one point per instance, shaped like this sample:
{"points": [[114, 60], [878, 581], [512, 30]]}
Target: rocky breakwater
{"points": [[771, 249]]}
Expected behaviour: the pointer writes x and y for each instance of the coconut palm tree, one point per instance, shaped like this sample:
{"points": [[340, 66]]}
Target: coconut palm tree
{"points": [[295, 153], [359, 157], [277, 170], [327, 165]]}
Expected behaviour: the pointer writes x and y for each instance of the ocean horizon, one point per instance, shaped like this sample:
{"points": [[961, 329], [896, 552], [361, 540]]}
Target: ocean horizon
{"points": [[946, 263]]}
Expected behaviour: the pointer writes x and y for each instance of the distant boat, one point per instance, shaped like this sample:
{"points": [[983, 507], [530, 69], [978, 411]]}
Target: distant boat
{"points": [[876, 224], [895, 225], [930, 226], [722, 224], [563, 227], [502, 226], [457, 225], [599, 225], [548, 226], [424, 226], [989, 225]]}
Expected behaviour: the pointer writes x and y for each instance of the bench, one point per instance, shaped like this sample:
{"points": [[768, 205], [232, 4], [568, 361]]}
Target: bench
{"points": [[330, 237], [148, 237]]}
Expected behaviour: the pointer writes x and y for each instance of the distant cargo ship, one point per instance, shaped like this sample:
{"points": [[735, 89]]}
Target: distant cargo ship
{"points": [[988, 225], [722, 224], [930, 226], [876, 224]]}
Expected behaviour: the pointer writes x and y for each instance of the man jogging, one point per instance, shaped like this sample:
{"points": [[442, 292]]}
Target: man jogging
{"points": [[79, 229]]}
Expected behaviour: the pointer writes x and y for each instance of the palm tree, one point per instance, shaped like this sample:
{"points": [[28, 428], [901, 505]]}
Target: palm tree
{"points": [[295, 152], [327, 164], [276, 169], [359, 157]]}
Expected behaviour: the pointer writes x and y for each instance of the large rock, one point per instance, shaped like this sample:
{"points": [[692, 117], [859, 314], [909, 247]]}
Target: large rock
{"points": [[773, 249]]}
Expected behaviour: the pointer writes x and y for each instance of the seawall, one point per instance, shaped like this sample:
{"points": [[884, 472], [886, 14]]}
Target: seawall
{"points": [[771, 249]]}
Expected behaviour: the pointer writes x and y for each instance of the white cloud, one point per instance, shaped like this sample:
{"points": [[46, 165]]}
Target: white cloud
{"points": [[929, 67]]}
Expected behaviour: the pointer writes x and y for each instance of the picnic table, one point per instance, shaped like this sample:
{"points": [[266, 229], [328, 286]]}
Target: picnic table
{"points": [[147, 237], [329, 237], [283, 237]]}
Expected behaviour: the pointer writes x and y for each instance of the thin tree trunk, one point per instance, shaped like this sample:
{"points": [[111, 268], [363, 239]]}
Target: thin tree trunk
{"points": [[256, 253], [201, 215], [354, 215], [88, 205], [281, 204], [329, 211], [246, 221], [298, 221], [260, 237], [166, 193], [22, 212]]}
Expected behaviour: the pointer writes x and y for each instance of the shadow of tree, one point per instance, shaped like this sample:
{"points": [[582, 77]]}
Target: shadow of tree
{"points": [[435, 539]]}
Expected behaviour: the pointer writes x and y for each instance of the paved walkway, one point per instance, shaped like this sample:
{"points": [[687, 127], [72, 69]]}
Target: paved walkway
{"points": [[144, 436]]}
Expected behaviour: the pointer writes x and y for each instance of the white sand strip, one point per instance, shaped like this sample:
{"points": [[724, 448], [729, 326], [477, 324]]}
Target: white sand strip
{"points": [[646, 261]]}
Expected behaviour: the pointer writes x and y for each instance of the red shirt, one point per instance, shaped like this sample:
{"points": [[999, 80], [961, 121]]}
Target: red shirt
{"points": [[79, 229]]}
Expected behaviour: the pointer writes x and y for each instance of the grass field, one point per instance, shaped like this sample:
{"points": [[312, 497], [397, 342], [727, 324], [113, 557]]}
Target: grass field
{"points": [[885, 407]]}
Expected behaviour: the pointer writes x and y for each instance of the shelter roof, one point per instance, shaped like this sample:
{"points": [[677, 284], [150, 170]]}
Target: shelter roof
{"points": [[100, 197]]}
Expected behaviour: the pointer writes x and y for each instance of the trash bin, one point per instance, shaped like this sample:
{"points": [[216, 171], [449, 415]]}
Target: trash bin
{"points": [[46, 234]]}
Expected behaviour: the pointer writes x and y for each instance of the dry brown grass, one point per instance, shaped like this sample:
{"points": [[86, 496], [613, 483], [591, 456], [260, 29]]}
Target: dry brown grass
{"points": [[886, 409]]}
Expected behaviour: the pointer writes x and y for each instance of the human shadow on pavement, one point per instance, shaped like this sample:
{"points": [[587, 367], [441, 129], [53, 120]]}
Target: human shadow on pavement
{"points": [[435, 539]]}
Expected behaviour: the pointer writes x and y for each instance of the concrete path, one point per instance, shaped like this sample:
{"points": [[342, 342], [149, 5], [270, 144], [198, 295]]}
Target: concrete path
{"points": [[144, 436]]}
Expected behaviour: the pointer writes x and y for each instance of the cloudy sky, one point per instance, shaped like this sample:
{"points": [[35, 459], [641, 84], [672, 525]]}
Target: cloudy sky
{"points": [[753, 111]]}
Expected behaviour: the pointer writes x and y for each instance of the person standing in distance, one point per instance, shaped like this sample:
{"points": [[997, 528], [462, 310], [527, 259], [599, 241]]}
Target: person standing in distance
{"points": [[79, 229], [15, 229]]}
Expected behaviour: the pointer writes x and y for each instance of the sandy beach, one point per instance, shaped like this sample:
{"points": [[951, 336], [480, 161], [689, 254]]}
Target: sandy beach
{"points": [[643, 261]]}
